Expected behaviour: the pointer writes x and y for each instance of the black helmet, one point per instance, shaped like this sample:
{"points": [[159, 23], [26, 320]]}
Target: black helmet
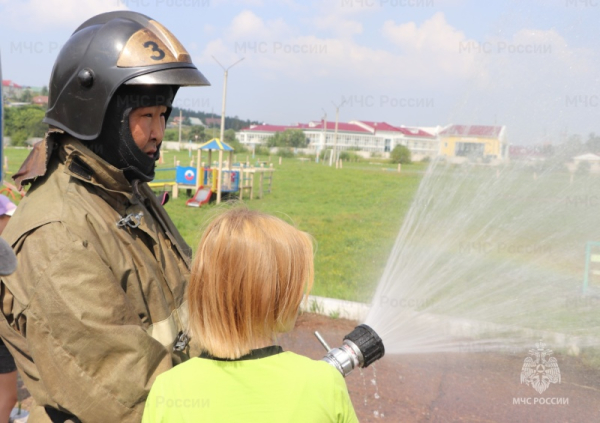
{"points": [[105, 52]]}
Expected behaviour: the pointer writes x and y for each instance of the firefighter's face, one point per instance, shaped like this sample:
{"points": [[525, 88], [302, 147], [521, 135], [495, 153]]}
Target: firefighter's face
{"points": [[147, 125]]}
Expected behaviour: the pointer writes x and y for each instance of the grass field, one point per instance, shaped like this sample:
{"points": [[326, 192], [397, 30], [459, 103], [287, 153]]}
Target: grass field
{"points": [[354, 214]]}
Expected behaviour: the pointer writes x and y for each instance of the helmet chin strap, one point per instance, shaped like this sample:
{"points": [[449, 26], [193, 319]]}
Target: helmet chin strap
{"points": [[137, 164], [116, 144]]}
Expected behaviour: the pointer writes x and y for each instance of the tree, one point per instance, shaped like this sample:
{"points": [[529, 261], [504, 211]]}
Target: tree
{"points": [[400, 154], [199, 131], [593, 143], [583, 168], [22, 123], [574, 145], [289, 138], [230, 140], [296, 138], [276, 140], [26, 96], [233, 123], [44, 90], [229, 136], [171, 134]]}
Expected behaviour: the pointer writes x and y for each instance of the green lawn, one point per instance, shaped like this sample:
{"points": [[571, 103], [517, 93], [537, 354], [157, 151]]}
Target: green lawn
{"points": [[354, 214], [15, 159]]}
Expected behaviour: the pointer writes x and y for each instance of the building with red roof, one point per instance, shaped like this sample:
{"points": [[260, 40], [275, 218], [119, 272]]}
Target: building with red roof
{"points": [[531, 152], [212, 121], [475, 141], [11, 89], [373, 137], [420, 142], [256, 135], [40, 100]]}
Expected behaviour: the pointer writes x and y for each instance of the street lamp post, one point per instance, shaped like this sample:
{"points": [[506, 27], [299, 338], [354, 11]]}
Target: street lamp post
{"points": [[337, 114], [324, 135], [222, 135]]}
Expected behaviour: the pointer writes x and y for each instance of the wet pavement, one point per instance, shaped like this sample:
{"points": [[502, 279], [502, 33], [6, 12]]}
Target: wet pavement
{"points": [[457, 387]]}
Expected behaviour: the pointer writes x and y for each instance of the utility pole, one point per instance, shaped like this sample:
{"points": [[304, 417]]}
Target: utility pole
{"points": [[220, 179], [212, 112], [180, 120], [324, 148], [337, 114]]}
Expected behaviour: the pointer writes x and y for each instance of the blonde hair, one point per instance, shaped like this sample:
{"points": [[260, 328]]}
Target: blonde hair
{"points": [[248, 279]]}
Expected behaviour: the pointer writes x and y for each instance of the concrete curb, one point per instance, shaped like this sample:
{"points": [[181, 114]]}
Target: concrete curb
{"points": [[351, 310], [333, 307]]}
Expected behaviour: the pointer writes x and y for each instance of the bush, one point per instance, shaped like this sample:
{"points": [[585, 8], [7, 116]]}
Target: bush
{"points": [[18, 138], [171, 135], [348, 156], [400, 154], [237, 146], [285, 152], [583, 168], [288, 138], [261, 151]]}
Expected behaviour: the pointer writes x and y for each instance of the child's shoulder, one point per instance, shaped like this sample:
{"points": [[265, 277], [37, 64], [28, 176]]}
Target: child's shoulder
{"points": [[316, 369], [181, 370]]}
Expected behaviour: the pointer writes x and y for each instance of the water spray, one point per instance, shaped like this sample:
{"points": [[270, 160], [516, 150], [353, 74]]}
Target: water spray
{"points": [[361, 348]]}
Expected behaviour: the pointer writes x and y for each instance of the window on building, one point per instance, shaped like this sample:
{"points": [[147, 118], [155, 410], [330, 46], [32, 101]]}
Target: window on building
{"points": [[386, 147]]}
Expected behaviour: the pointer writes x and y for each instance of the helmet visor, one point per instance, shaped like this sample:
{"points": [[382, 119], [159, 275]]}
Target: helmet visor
{"points": [[177, 76]]}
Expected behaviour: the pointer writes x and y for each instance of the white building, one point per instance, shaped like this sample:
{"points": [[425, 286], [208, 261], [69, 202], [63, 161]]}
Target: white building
{"points": [[373, 137]]}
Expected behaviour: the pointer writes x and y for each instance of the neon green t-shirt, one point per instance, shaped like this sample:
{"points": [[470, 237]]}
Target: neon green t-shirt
{"points": [[279, 387]]}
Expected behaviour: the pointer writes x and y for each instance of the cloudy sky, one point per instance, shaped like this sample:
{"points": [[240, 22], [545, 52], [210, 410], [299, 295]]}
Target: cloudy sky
{"points": [[532, 65]]}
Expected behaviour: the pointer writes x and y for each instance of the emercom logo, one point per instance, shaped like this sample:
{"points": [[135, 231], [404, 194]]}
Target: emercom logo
{"points": [[539, 369]]}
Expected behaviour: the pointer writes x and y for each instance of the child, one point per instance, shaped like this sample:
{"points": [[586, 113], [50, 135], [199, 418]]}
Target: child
{"points": [[248, 279]]}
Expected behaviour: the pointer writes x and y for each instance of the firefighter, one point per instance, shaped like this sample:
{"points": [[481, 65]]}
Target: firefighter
{"points": [[96, 309]]}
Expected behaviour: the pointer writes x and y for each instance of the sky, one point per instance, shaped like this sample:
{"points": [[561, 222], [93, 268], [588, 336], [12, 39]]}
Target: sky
{"points": [[532, 65]]}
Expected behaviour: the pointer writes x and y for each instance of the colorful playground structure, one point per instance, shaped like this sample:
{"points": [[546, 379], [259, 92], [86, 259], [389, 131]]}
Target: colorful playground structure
{"points": [[233, 178]]}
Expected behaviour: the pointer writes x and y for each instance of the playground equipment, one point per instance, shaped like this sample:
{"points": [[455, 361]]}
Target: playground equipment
{"points": [[185, 178], [9, 190], [234, 178], [201, 197], [205, 177], [212, 179]]}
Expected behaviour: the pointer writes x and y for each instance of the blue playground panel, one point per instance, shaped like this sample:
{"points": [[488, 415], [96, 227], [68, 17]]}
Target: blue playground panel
{"points": [[185, 175], [207, 177]]}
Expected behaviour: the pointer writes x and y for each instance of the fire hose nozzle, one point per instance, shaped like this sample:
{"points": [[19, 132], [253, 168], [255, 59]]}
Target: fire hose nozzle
{"points": [[361, 348]]}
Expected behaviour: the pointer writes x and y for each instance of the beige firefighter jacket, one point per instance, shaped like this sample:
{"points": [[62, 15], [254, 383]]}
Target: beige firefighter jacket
{"points": [[93, 311]]}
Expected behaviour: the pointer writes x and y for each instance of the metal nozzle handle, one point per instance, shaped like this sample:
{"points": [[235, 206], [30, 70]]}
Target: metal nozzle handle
{"points": [[322, 341]]}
